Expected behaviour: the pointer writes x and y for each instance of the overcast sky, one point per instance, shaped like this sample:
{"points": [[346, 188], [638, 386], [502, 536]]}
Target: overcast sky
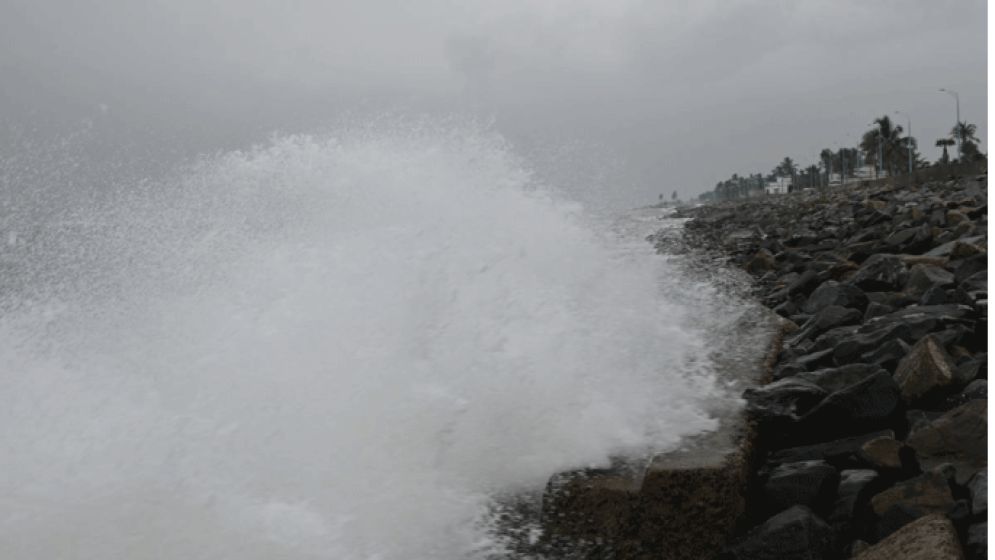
{"points": [[658, 95]]}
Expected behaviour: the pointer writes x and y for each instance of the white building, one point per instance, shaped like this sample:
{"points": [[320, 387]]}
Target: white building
{"points": [[780, 185]]}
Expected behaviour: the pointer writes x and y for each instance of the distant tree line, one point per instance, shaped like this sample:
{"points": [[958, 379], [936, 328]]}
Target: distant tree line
{"points": [[883, 148]]}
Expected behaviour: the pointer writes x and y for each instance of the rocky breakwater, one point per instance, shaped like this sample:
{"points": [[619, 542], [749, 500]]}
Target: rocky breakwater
{"points": [[873, 428]]}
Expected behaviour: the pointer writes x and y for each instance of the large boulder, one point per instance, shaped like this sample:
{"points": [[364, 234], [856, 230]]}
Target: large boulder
{"points": [[806, 483], [911, 499], [881, 272], [794, 534], [784, 400], [931, 537], [884, 454], [926, 371], [832, 292], [854, 489], [978, 487], [827, 318], [867, 403], [922, 277], [958, 437], [841, 453], [977, 541]]}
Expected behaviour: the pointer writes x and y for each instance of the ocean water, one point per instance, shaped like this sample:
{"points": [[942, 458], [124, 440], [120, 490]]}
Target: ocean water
{"points": [[340, 346]]}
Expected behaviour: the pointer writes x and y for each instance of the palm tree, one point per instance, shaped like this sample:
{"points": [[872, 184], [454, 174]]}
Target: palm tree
{"points": [[812, 173], [826, 161], [968, 141], [882, 144], [787, 168], [944, 142]]}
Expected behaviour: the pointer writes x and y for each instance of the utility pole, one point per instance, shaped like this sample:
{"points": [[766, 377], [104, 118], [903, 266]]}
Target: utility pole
{"points": [[960, 138]]}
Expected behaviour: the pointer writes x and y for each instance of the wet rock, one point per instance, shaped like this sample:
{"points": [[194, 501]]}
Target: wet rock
{"points": [[977, 541], [807, 483], [963, 250], [815, 360], [887, 355], [881, 272], [954, 218], [935, 296], [925, 371], [978, 487], [891, 299], [958, 437], [805, 283], [762, 261], [832, 292], [864, 404], [827, 318], [977, 282], [931, 537], [922, 320], [977, 389], [794, 534], [910, 240], [922, 277], [875, 309], [841, 453], [970, 266], [849, 348], [852, 494], [908, 500], [784, 400], [883, 453]]}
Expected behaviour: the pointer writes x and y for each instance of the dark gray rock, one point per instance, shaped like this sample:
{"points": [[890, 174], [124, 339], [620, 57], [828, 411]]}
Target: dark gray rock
{"points": [[946, 249], [891, 299], [881, 272], [832, 292], [958, 437], [827, 318], [977, 389], [841, 453], [805, 283], [922, 320], [977, 541], [978, 487], [814, 360], [886, 454], [851, 349], [784, 400], [922, 277], [935, 296], [852, 495], [807, 483], [926, 372], [970, 266], [875, 309], [794, 534], [931, 537], [887, 355], [836, 379], [909, 500], [850, 410], [761, 262]]}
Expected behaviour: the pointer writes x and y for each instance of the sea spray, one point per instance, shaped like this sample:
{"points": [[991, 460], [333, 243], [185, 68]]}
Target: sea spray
{"points": [[339, 346]]}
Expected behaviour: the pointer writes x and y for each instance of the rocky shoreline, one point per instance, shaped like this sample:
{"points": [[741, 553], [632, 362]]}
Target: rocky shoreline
{"points": [[873, 429]]}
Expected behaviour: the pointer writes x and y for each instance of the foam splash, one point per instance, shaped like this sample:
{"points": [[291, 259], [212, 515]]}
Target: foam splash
{"points": [[326, 347]]}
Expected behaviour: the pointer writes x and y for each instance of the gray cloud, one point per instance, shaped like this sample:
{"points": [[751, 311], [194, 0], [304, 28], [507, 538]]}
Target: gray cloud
{"points": [[658, 95]]}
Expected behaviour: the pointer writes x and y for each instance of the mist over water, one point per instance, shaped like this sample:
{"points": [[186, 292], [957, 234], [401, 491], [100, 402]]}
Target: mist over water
{"points": [[336, 346]]}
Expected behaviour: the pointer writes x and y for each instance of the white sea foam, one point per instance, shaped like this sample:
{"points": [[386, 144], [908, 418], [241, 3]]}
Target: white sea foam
{"points": [[327, 347]]}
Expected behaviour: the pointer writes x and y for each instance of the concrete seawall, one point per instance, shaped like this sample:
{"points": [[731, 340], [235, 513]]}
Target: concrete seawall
{"points": [[679, 504]]}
